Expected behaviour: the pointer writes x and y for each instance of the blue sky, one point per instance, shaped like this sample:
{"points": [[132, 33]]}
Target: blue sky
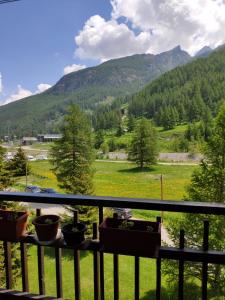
{"points": [[41, 40], [37, 39]]}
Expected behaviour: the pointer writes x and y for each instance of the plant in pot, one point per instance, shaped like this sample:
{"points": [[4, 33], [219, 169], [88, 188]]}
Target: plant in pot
{"points": [[13, 225], [74, 233], [46, 227], [132, 237]]}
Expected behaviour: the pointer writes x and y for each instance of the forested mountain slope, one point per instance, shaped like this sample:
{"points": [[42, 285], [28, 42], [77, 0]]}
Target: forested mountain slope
{"points": [[87, 88], [186, 93]]}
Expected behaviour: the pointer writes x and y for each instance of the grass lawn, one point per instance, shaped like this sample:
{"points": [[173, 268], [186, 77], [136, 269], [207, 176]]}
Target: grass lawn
{"points": [[126, 265], [123, 179], [111, 179]]}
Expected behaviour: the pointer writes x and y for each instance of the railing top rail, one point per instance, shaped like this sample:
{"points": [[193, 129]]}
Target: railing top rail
{"points": [[103, 201]]}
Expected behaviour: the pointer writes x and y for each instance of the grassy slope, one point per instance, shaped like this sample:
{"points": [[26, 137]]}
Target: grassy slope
{"points": [[165, 137]]}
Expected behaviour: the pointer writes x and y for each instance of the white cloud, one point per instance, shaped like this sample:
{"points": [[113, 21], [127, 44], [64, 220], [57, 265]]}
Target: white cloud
{"points": [[103, 40], [1, 85], [23, 93], [73, 68], [42, 87], [20, 94], [189, 23]]}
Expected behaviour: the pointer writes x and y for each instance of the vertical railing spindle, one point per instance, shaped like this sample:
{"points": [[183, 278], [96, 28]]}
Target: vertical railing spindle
{"points": [[76, 257], [158, 271], [24, 267], [58, 267], [8, 263], [102, 277], [41, 274], [137, 277], [96, 266], [205, 265], [181, 269]]}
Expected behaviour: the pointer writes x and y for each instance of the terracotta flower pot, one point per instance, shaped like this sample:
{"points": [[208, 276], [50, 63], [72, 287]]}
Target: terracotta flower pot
{"points": [[46, 227], [133, 237], [12, 225], [74, 234]]}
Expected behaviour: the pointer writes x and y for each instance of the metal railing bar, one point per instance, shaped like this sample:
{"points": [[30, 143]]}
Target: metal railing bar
{"points": [[24, 267], [8, 263], [136, 277], [147, 204], [102, 273], [58, 267], [181, 269], [76, 257], [40, 256], [205, 264], [116, 276], [96, 266]]}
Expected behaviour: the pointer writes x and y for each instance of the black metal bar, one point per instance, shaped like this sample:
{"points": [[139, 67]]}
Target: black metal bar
{"points": [[77, 274], [102, 273], [148, 204], [205, 264], [58, 267], [96, 264], [24, 267], [158, 278], [116, 276], [41, 273], [8, 263], [181, 269], [137, 277]]}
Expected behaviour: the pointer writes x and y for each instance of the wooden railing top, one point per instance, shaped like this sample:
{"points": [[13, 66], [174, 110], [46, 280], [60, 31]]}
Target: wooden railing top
{"points": [[105, 201]]}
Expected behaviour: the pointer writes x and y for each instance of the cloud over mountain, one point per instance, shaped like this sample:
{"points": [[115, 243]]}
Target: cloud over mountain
{"points": [[152, 26], [73, 68], [104, 40]]}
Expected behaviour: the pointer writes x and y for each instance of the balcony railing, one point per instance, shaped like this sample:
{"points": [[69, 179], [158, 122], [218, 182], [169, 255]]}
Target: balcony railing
{"points": [[204, 256]]}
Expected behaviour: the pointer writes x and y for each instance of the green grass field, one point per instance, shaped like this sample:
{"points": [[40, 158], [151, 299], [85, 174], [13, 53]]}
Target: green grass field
{"points": [[111, 179], [123, 179]]}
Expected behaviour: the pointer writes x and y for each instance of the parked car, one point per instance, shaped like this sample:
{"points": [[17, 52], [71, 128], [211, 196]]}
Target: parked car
{"points": [[124, 213], [48, 190], [33, 189]]}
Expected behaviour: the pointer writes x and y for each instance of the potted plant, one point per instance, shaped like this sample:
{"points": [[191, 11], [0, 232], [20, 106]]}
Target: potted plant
{"points": [[46, 227], [12, 225], [132, 237], [74, 233]]}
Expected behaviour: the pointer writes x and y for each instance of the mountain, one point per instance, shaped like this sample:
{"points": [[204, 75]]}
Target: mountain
{"points": [[88, 88], [204, 52], [187, 93]]}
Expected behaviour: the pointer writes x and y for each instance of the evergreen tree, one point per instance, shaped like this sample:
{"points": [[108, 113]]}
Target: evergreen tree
{"points": [[130, 123], [72, 158], [208, 185], [143, 149], [99, 139], [19, 164], [5, 182], [72, 155], [5, 174]]}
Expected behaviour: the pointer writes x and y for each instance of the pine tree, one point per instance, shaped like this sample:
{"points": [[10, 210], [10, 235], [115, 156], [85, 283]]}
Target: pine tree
{"points": [[208, 185], [72, 158], [143, 149], [5, 174], [72, 155], [99, 139], [6, 182], [19, 164]]}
